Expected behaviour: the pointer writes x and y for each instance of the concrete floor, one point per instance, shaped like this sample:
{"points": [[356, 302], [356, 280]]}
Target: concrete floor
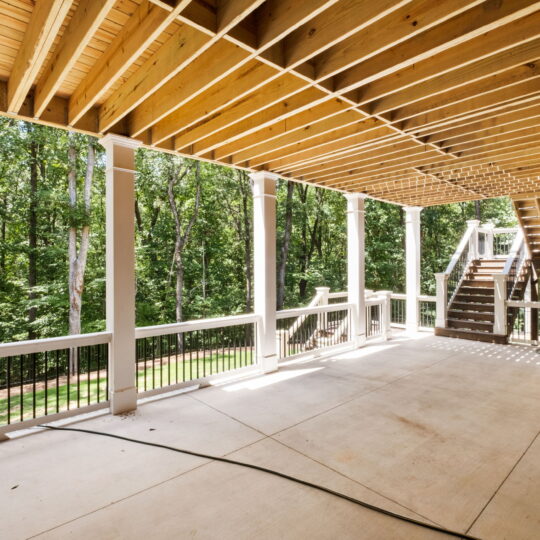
{"points": [[439, 429]]}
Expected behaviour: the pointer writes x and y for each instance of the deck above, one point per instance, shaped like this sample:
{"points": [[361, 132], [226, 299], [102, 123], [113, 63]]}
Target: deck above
{"points": [[411, 101]]}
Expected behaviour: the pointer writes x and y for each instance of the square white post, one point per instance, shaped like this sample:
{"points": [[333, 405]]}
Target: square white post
{"points": [[490, 236], [412, 262], [356, 266], [322, 320], [473, 241], [264, 271], [120, 269], [441, 299], [500, 321], [386, 314]]}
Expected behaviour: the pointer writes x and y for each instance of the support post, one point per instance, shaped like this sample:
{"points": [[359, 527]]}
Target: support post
{"points": [[490, 236], [386, 313], [500, 320], [412, 260], [120, 269], [356, 266], [264, 271], [322, 319], [442, 299], [473, 241]]}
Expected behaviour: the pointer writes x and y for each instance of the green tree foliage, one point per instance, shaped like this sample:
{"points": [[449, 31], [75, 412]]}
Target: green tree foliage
{"points": [[217, 258]]}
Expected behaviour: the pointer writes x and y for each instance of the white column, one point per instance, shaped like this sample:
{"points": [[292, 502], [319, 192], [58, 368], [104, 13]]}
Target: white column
{"points": [[264, 271], [473, 242], [442, 299], [412, 261], [356, 266], [322, 319], [120, 269], [500, 321], [386, 313], [488, 246]]}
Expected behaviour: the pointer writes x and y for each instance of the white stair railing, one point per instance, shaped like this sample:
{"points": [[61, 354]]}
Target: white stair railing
{"points": [[478, 242]]}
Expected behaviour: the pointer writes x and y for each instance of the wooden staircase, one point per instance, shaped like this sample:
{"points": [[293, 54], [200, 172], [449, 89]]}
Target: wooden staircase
{"points": [[471, 308], [471, 312], [527, 208]]}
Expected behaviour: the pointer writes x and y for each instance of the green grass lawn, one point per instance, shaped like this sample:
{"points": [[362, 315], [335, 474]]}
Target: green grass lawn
{"points": [[154, 377]]}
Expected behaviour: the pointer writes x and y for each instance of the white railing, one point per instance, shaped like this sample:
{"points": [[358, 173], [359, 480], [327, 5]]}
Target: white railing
{"points": [[52, 378], [478, 242], [192, 326], [523, 315], [506, 283], [172, 356], [312, 329]]}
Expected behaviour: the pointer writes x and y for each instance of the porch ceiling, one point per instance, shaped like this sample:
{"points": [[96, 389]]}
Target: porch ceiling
{"points": [[412, 101]]}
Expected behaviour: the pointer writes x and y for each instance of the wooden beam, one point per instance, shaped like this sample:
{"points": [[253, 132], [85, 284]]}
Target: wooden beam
{"points": [[454, 31], [83, 24], [486, 68], [483, 46], [392, 30], [467, 93], [142, 28], [45, 22], [181, 49]]}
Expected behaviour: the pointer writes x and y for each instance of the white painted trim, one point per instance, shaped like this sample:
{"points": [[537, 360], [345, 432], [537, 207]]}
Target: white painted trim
{"points": [[523, 304], [297, 312], [53, 344], [190, 326], [119, 140]]}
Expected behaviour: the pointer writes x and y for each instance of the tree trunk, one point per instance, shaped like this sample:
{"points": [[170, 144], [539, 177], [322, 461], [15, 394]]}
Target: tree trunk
{"points": [[32, 238], [478, 210], [78, 256], [285, 244], [181, 233], [248, 261]]}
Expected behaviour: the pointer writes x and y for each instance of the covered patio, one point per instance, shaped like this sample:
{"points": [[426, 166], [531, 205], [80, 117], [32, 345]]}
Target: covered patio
{"points": [[435, 428], [411, 102]]}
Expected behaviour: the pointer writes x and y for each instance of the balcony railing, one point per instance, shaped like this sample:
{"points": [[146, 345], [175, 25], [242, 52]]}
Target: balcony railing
{"points": [[52, 377], [170, 355], [59, 377]]}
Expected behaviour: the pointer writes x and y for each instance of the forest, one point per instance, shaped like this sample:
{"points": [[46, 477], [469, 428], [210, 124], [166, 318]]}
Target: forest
{"points": [[193, 237]]}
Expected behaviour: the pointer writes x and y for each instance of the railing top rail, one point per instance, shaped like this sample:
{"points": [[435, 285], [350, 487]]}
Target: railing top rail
{"points": [[523, 304], [53, 344], [427, 298], [398, 296], [189, 326], [461, 248], [505, 230], [517, 245], [297, 312], [338, 294]]}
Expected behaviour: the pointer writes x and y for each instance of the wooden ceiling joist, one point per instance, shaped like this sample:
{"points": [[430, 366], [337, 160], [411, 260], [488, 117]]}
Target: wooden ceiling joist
{"points": [[411, 101]]}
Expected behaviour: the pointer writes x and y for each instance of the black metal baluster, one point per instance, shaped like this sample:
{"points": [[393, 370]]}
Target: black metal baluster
{"points": [[160, 353], [21, 373], [168, 339], [78, 383], [57, 381], [153, 362], [88, 368], [68, 376], [33, 385], [46, 382], [8, 382]]}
